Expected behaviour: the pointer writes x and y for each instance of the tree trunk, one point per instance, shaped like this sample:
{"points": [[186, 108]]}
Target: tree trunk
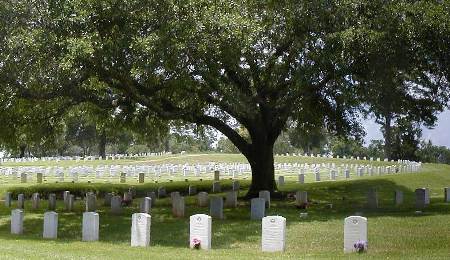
{"points": [[263, 171], [22, 149], [388, 136], [102, 145]]}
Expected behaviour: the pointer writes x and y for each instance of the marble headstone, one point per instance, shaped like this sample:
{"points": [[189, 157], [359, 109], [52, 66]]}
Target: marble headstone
{"points": [[50, 225], [200, 226], [140, 230], [265, 195], [273, 234], [202, 199], [17, 221], [258, 208], [146, 205], [90, 230], [216, 207], [355, 229]]}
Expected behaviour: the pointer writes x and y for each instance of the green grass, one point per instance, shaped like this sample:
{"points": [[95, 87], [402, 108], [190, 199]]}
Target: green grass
{"points": [[393, 232]]}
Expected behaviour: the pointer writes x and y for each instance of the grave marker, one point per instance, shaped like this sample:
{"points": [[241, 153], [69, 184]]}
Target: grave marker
{"points": [[52, 201], [70, 202], [200, 227], [90, 228], [216, 187], [162, 192], [216, 175], [91, 202], [231, 199], [258, 208], [273, 234], [140, 230], [216, 207], [50, 225], [141, 177], [192, 190], [355, 229], [280, 180], [398, 197], [420, 198], [372, 199], [35, 201], [20, 201], [301, 198], [235, 186], [202, 199], [8, 199], [265, 195], [17, 222], [116, 205], [146, 205]]}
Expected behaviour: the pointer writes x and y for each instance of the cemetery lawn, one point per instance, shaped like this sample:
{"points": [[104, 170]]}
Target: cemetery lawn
{"points": [[393, 232]]}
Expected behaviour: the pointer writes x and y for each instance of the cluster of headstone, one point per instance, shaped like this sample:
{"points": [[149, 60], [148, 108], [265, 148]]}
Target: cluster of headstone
{"points": [[273, 235], [141, 172], [79, 158]]}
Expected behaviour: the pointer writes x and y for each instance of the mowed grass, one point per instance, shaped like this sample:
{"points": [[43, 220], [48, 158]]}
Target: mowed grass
{"points": [[393, 232]]}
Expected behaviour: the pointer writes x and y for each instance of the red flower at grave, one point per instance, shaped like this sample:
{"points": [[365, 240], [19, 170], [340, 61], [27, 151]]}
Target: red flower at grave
{"points": [[196, 243]]}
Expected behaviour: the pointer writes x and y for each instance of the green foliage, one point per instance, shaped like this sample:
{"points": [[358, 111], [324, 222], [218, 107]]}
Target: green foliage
{"points": [[347, 147], [432, 153], [255, 65]]}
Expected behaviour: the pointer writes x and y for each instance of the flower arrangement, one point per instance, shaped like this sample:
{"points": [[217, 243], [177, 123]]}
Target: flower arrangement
{"points": [[360, 246], [196, 243]]}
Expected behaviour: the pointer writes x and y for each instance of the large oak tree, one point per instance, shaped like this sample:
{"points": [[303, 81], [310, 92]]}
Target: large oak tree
{"points": [[224, 64]]}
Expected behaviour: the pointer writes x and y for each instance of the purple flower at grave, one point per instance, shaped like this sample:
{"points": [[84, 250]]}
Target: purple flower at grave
{"points": [[196, 243], [360, 246]]}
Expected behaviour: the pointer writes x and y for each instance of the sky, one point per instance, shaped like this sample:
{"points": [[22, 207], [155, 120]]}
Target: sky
{"points": [[439, 135]]}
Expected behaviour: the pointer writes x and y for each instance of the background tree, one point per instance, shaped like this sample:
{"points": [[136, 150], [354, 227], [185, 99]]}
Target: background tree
{"points": [[395, 79]]}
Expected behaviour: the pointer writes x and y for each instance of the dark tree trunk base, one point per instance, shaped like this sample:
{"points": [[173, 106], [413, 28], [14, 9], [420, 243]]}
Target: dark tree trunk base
{"points": [[263, 170]]}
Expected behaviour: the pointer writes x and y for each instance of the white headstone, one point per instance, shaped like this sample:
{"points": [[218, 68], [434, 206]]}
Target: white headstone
{"points": [[140, 229], [200, 226], [273, 234], [50, 225], [258, 208], [90, 228], [17, 222], [355, 229]]}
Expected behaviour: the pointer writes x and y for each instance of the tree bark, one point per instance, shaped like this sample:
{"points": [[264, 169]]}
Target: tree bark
{"points": [[22, 149], [263, 171], [388, 136], [102, 144]]}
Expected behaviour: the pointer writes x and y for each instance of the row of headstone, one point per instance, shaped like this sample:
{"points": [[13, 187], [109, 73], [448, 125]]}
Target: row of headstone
{"points": [[78, 158], [273, 235], [140, 171]]}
